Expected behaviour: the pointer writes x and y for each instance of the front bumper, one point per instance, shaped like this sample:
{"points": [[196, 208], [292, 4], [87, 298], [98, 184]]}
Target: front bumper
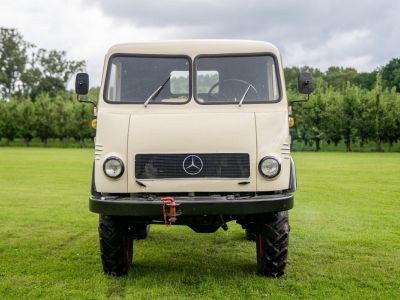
{"points": [[191, 206]]}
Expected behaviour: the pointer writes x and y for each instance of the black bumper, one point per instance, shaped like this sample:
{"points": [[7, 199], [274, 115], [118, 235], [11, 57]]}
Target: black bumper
{"points": [[191, 206]]}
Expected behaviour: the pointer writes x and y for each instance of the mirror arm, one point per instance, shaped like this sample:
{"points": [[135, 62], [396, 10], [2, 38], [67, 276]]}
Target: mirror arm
{"points": [[299, 101], [85, 101], [88, 101]]}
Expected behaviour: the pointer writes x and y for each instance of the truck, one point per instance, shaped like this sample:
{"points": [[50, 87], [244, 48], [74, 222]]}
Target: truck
{"points": [[195, 133]]}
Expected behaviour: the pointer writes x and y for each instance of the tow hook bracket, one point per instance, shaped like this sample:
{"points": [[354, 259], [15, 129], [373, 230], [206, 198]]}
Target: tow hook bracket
{"points": [[170, 215]]}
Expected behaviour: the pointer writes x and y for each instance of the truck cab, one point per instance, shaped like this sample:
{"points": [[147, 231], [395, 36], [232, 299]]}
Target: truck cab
{"points": [[192, 133]]}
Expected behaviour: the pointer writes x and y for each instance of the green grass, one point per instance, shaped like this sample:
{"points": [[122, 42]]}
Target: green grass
{"points": [[355, 147], [344, 243], [51, 143]]}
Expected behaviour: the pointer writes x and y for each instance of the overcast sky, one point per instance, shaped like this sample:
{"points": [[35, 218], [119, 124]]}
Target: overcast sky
{"points": [[364, 34]]}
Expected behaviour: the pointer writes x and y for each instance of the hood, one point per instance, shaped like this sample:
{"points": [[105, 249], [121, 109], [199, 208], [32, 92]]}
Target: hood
{"points": [[182, 143]]}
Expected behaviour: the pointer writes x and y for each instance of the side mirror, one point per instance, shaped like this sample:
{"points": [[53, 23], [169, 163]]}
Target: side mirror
{"points": [[305, 83], [82, 83]]}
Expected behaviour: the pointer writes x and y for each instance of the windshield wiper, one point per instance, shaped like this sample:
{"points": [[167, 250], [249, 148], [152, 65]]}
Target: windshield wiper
{"points": [[156, 92], [245, 93]]}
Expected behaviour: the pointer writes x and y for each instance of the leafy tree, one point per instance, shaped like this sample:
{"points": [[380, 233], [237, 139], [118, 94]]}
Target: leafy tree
{"points": [[3, 124], [44, 113], [364, 122], [50, 85], [391, 74], [349, 112], [332, 120], [63, 120], [13, 60], [337, 77], [26, 120], [82, 116], [28, 71], [377, 112], [10, 120], [391, 116], [314, 118], [365, 80]]}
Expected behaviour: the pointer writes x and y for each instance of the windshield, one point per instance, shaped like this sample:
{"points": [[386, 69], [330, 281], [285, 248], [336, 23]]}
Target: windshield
{"points": [[141, 79], [236, 79]]}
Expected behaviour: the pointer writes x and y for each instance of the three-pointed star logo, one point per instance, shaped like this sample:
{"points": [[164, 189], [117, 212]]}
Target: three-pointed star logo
{"points": [[192, 164]]}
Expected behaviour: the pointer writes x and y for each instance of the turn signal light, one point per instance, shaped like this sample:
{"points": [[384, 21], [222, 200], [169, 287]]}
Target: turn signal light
{"points": [[94, 123], [291, 122]]}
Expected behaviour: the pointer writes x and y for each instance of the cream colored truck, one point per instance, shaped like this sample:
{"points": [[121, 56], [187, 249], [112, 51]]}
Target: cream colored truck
{"points": [[193, 133]]}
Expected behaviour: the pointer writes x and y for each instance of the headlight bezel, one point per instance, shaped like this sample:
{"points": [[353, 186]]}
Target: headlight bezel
{"points": [[119, 161], [263, 160]]}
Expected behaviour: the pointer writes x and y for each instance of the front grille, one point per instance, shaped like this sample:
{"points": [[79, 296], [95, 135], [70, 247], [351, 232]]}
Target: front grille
{"points": [[193, 165]]}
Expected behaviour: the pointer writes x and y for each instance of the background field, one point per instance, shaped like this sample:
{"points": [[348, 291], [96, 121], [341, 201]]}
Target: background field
{"points": [[345, 238]]}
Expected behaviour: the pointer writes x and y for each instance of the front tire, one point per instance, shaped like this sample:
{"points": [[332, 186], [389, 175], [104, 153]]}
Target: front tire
{"points": [[272, 244], [116, 245]]}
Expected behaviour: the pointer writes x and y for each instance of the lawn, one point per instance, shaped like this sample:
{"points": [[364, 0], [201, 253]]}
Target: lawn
{"points": [[344, 243]]}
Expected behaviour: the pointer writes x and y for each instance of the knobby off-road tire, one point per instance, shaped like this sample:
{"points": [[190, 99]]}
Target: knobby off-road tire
{"points": [[116, 245], [272, 244]]}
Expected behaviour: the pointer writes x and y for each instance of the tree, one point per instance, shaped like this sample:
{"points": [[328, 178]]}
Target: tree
{"points": [[332, 120], [82, 116], [378, 112], [349, 112], [63, 121], [365, 80], [391, 74], [26, 120], [391, 116], [13, 60], [44, 112], [365, 121], [28, 71], [10, 120], [3, 124], [337, 77], [314, 118]]}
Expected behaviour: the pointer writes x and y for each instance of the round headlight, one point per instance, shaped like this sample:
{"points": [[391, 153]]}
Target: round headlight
{"points": [[113, 167], [269, 167]]}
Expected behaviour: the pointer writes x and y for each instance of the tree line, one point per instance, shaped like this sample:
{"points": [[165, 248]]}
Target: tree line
{"points": [[347, 106], [47, 117]]}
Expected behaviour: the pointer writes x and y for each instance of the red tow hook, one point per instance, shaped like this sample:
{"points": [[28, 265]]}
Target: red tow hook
{"points": [[169, 201]]}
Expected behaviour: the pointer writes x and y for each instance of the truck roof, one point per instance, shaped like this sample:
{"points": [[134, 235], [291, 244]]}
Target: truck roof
{"points": [[195, 47]]}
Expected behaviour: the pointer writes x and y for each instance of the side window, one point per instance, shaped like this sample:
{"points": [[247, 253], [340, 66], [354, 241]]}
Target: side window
{"points": [[179, 82], [272, 83], [205, 81], [114, 83]]}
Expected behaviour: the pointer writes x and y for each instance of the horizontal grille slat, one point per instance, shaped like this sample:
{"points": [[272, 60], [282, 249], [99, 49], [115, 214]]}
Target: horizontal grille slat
{"points": [[192, 165]]}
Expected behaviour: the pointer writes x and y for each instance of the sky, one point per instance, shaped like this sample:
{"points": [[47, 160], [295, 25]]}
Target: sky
{"points": [[363, 34]]}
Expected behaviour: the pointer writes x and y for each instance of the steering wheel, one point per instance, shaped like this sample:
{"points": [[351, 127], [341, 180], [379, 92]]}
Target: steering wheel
{"points": [[248, 84]]}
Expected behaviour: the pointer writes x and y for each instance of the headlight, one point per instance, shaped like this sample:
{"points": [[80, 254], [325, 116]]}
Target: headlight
{"points": [[113, 167], [269, 167]]}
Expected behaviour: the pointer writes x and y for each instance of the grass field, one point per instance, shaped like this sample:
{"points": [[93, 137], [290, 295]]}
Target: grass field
{"points": [[344, 243]]}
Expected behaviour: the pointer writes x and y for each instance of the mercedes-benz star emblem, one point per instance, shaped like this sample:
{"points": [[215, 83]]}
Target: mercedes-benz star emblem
{"points": [[192, 164]]}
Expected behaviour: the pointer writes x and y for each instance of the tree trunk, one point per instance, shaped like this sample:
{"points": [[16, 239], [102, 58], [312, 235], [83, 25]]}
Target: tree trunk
{"points": [[378, 145], [348, 145], [317, 144], [26, 141]]}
